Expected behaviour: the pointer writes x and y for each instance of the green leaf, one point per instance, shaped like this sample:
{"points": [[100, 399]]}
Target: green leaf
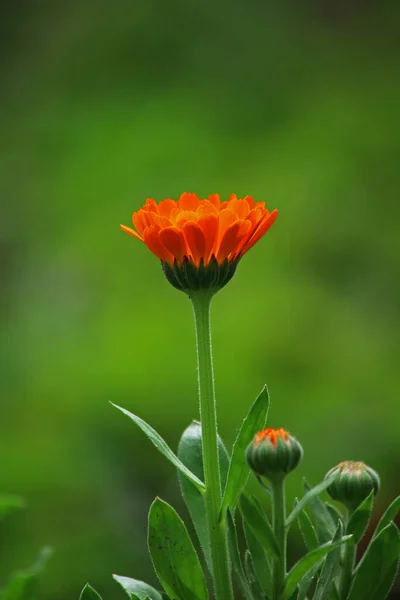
{"points": [[259, 525], [190, 452], [235, 558], [135, 587], [307, 530], [261, 564], [9, 503], [375, 574], [389, 515], [238, 468], [310, 495], [324, 524], [257, 592], [359, 520], [329, 570], [306, 563], [174, 558], [163, 447], [23, 585], [306, 581], [88, 593]]}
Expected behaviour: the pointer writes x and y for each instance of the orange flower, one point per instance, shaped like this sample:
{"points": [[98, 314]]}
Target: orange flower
{"points": [[201, 231], [272, 435]]}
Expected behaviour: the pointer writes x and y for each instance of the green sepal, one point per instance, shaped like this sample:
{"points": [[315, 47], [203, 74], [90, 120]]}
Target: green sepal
{"points": [[135, 587], [307, 529], [239, 471], [23, 585], [10, 503], [325, 525], [190, 452], [303, 566], [389, 515], [261, 564], [89, 593], [331, 567], [306, 499], [174, 558], [162, 446], [259, 525], [186, 277], [235, 558], [359, 520], [376, 572], [257, 592]]}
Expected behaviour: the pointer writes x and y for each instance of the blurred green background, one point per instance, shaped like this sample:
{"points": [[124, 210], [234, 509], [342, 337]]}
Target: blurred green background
{"points": [[106, 103]]}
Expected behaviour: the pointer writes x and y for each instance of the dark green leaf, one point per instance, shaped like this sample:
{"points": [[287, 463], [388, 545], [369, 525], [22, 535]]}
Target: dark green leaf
{"points": [[306, 563], [162, 446], [306, 499], [261, 564], [389, 515], [257, 592], [259, 525], [23, 585], [191, 454], [238, 468], [235, 558], [135, 587], [307, 530], [377, 569], [88, 593], [9, 503], [329, 570], [174, 558], [324, 524], [306, 581], [359, 520], [335, 514]]}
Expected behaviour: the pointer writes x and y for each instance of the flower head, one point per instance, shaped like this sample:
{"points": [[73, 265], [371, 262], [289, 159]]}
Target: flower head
{"points": [[352, 482], [200, 242], [273, 453]]}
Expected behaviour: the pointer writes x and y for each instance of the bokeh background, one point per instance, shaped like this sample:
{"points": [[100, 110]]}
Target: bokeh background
{"points": [[106, 103]]}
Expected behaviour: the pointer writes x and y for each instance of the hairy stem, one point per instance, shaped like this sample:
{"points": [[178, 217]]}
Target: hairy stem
{"points": [[278, 525]]}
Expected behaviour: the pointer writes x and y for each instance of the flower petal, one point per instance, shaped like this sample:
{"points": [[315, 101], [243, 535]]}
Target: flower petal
{"points": [[188, 201], [173, 240], [131, 232], [195, 241], [262, 228], [209, 225], [151, 238], [231, 238]]}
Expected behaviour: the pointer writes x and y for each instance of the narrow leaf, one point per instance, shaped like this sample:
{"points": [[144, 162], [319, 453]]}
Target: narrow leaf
{"points": [[260, 561], [257, 592], [190, 452], [23, 585], [135, 587], [307, 530], [389, 515], [235, 558], [329, 570], [324, 523], [310, 495], [88, 593], [360, 518], [375, 574], [307, 580], [174, 558], [238, 468], [162, 446], [259, 525], [9, 503], [306, 563]]}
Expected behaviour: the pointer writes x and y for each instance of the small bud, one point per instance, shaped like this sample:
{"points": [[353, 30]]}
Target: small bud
{"points": [[273, 453], [354, 481]]}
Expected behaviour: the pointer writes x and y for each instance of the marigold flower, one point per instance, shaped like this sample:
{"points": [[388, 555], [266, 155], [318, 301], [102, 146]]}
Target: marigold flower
{"points": [[273, 453], [200, 242], [353, 482]]}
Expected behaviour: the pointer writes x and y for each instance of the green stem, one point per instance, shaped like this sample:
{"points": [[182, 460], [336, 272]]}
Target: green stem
{"points": [[278, 525], [212, 496], [349, 559]]}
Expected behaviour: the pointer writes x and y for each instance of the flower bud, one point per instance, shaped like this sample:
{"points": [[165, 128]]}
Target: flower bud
{"points": [[353, 482], [273, 453]]}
